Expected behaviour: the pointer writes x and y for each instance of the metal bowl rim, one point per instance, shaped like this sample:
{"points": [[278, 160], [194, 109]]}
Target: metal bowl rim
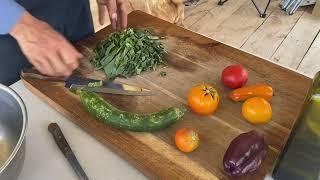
{"points": [[24, 127]]}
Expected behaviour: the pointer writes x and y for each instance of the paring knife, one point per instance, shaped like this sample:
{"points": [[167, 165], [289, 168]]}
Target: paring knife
{"points": [[84, 83], [63, 145]]}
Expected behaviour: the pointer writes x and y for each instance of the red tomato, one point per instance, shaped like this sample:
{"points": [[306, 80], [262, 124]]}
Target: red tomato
{"points": [[234, 76]]}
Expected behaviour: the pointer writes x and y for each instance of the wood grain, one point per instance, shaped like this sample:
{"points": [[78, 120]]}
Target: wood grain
{"points": [[316, 9], [192, 59], [207, 24], [241, 24], [310, 63], [271, 34], [295, 46], [195, 13]]}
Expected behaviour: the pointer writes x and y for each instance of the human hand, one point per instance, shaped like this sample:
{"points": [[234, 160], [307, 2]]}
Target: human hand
{"points": [[47, 50], [117, 13]]}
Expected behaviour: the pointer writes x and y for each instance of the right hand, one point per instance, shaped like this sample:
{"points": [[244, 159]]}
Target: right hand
{"points": [[47, 50], [117, 13]]}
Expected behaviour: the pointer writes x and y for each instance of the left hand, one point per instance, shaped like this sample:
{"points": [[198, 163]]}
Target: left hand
{"points": [[117, 13]]}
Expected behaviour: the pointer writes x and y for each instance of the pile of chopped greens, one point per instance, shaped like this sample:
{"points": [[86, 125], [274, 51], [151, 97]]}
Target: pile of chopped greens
{"points": [[128, 53]]}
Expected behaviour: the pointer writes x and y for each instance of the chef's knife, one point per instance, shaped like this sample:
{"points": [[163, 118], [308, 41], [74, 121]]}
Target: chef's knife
{"points": [[84, 83], [106, 86], [63, 145]]}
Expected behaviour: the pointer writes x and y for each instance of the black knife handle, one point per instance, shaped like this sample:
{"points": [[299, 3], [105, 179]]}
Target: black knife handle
{"points": [[33, 73], [59, 138], [63, 145]]}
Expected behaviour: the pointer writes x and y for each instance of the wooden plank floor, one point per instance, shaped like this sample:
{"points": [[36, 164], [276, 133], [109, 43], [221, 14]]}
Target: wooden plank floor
{"points": [[292, 41]]}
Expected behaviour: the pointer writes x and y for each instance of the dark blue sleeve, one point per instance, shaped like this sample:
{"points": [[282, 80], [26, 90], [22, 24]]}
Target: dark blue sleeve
{"points": [[10, 13]]}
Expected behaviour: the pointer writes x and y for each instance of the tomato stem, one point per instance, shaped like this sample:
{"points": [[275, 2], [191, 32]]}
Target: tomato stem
{"points": [[209, 91]]}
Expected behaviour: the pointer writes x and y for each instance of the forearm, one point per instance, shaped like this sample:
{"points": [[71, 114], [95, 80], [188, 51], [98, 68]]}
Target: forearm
{"points": [[10, 14]]}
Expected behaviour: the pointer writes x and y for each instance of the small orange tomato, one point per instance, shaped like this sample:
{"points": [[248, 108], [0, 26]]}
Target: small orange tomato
{"points": [[187, 139], [203, 99], [257, 110]]}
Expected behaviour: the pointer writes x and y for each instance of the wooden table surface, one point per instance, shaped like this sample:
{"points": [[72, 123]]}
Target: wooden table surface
{"points": [[192, 59]]}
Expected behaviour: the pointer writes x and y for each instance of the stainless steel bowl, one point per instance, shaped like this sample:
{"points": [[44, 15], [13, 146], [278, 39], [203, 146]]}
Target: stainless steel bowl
{"points": [[13, 123]]}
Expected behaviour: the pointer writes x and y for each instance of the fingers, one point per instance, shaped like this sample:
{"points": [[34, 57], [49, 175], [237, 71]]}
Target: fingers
{"points": [[53, 65], [61, 60], [122, 12], [42, 64], [112, 9], [69, 55], [102, 13], [117, 13], [113, 19], [118, 28], [59, 68]]}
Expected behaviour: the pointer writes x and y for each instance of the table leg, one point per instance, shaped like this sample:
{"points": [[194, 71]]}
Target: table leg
{"points": [[261, 14], [221, 2]]}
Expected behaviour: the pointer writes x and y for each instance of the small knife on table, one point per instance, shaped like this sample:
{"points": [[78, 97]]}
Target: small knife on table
{"points": [[92, 85], [63, 145]]}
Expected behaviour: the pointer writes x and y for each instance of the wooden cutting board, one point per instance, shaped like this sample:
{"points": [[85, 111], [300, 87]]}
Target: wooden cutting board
{"points": [[192, 59]]}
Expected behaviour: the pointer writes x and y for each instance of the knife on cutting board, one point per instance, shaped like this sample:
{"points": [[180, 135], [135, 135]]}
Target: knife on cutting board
{"points": [[300, 157], [92, 85]]}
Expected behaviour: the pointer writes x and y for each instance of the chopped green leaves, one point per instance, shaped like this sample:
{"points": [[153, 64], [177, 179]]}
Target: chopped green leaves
{"points": [[128, 53]]}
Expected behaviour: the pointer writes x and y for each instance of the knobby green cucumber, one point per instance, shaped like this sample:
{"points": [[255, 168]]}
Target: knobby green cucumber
{"points": [[103, 111]]}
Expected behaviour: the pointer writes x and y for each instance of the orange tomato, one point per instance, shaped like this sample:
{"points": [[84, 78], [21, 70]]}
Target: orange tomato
{"points": [[203, 99], [187, 140], [257, 110]]}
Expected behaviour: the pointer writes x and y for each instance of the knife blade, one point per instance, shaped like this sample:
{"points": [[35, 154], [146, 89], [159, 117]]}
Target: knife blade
{"points": [[63, 145], [114, 91], [106, 87], [83, 82]]}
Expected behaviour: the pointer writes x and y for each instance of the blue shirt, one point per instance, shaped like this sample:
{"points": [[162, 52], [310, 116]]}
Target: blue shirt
{"points": [[10, 14]]}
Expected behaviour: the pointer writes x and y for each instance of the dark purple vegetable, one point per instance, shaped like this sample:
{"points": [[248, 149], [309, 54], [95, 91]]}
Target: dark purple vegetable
{"points": [[245, 154]]}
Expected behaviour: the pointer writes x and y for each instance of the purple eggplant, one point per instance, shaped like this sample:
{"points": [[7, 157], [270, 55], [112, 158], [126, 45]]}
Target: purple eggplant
{"points": [[245, 154]]}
